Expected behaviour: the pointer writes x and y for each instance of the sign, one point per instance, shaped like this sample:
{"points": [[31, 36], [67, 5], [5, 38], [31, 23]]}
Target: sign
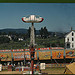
{"points": [[57, 48], [70, 53], [57, 54], [32, 19], [44, 55], [5, 50], [5, 56], [14, 50], [27, 49], [18, 56], [42, 65], [43, 48]]}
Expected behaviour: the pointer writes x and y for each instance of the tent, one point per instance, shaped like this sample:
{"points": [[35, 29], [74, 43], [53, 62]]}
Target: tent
{"points": [[70, 69]]}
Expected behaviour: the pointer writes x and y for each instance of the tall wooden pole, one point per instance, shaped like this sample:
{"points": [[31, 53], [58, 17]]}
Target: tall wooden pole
{"points": [[32, 44], [32, 59]]}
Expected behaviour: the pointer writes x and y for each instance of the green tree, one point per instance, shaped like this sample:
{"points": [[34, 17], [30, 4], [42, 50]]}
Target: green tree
{"points": [[3, 33], [29, 30], [4, 39], [44, 32], [41, 32], [15, 38]]}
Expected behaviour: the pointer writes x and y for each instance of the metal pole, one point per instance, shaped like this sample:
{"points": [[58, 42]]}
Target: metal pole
{"points": [[24, 57], [12, 59], [11, 56]]}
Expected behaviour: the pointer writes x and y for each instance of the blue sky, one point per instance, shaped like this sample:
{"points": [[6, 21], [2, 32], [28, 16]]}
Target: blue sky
{"points": [[57, 16]]}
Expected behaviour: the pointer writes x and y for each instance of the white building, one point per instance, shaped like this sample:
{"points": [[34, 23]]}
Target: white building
{"points": [[20, 39], [6, 36], [38, 35], [70, 40]]}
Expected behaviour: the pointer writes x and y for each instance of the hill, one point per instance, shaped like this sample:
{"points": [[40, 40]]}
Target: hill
{"points": [[14, 30], [24, 31]]}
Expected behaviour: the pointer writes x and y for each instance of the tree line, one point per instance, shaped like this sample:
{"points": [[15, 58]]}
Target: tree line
{"points": [[3, 39], [43, 40]]}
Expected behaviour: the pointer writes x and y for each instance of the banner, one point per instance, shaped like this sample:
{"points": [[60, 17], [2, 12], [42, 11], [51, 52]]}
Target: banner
{"points": [[43, 48], [27, 49], [57, 48], [70, 54], [5, 56], [5, 50], [27, 56], [14, 50], [18, 56], [44, 55], [57, 54]]}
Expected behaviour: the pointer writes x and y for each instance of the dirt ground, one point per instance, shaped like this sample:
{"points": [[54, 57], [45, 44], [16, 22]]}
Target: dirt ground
{"points": [[47, 70], [11, 72]]}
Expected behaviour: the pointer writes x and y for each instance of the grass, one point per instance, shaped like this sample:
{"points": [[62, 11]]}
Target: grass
{"points": [[47, 70], [54, 70], [11, 72], [41, 43]]}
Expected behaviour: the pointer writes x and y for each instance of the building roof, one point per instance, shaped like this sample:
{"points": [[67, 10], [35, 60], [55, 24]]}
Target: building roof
{"points": [[71, 67], [69, 32]]}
